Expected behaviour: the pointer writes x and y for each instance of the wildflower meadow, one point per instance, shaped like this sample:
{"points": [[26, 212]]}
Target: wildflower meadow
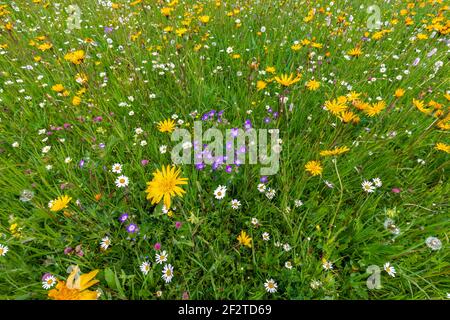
{"points": [[215, 150]]}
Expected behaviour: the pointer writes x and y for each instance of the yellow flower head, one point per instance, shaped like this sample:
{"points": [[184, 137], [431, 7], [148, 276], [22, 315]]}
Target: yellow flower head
{"points": [[260, 85], [166, 125], [442, 147], [336, 151], [314, 168], [355, 52], [75, 288], [76, 57], [58, 87], [335, 107], [204, 19], [288, 80], [165, 184], [313, 85], [166, 11], [59, 203], [399, 93], [244, 239]]}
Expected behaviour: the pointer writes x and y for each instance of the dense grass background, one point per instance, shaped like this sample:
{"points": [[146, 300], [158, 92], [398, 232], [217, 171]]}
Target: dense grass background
{"points": [[342, 224]]}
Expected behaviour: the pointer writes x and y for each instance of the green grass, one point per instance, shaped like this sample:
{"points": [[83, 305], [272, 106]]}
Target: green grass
{"points": [[342, 224]]}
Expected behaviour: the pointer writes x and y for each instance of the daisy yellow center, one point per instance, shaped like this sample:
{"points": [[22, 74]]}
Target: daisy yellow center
{"points": [[1, 251], [122, 180], [168, 273], [270, 285]]}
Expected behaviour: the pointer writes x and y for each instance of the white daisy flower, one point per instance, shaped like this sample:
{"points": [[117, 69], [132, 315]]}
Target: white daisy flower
{"points": [[220, 192], [3, 250], [145, 267], [255, 221], [389, 269], [162, 149], [377, 182], [266, 236], [48, 282], [298, 203], [116, 168], [167, 273], [122, 181], [271, 286], [261, 187], [327, 265], [235, 204], [106, 242], [270, 193], [46, 149], [367, 186], [286, 247], [162, 257], [288, 265]]}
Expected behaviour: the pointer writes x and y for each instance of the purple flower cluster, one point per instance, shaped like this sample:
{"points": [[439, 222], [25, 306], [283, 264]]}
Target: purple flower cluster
{"points": [[213, 115], [272, 115]]}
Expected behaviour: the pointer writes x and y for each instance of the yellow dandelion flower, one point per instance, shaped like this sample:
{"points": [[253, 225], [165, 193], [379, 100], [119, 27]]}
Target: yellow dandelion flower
{"points": [[314, 168], [204, 19], [272, 70], [313, 85], [76, 57], [442, 147], [399, 93], [260, 85], [60, 203], [58, 87], [244, 239]]}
